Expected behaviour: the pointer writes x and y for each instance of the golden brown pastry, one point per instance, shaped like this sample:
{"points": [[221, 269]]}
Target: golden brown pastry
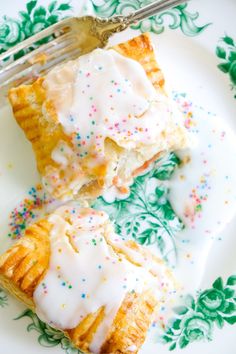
{"points": [[78, 276], [96, 122]]}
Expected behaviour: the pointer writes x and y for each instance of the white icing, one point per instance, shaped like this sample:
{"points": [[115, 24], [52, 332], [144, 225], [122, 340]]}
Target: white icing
{"points": [[106, 95], [157, 268], [61, 154], [67, 179], [85, 273], [132, 348]]}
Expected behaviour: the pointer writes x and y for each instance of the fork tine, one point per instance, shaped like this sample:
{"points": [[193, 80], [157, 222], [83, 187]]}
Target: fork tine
{"points": [[29, 74], [37, 37], [42, 49], [25, 73]]}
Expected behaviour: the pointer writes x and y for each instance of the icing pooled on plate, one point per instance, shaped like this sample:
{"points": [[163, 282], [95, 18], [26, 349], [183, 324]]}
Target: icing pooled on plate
{"points": [[202, 191], [86, 273], [104, 95]]}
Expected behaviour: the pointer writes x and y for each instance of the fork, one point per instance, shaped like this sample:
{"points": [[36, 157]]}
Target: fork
{"points": [[66, 40]]}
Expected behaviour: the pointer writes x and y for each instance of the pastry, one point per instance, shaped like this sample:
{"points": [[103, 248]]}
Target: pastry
{"points": [[98, 121], [80, 277]]}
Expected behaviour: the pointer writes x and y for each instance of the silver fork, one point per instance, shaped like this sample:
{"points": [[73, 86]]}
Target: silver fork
{"points": [[66, 40]]}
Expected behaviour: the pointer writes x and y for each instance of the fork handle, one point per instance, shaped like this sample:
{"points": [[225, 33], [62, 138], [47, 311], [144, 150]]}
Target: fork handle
{"points": [[106, 27], [151, 9]]}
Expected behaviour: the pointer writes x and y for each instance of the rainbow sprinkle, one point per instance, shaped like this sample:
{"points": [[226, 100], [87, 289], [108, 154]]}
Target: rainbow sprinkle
{"points": [[198, 197], [185, 107], [27, 211]]}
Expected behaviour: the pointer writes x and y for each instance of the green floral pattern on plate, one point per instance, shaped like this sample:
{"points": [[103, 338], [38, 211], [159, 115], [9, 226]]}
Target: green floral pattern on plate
{"points": [[3, 298], [180, 17], [48, 336], [195, 320], [146, 215], [227, 52], [30, 21]]}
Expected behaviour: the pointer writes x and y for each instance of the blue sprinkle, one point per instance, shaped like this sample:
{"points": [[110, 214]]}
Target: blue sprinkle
{"points": [[99, 267], [83, 296]]}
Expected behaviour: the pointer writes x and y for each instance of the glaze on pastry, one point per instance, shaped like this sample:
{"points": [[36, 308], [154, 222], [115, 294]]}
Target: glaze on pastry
{"points": [[96, 122], [80, 277]]}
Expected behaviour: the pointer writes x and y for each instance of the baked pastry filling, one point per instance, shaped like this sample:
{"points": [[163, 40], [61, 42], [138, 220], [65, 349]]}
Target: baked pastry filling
{"points": [[79, 276], [97, 121]]}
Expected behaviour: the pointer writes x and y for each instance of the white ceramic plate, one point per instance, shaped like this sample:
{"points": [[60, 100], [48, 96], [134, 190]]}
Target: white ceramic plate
{"points": [[196, 48]]}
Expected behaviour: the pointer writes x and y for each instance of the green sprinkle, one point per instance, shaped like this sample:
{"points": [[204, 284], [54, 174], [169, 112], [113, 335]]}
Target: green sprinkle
{"points": [[198, 207]]}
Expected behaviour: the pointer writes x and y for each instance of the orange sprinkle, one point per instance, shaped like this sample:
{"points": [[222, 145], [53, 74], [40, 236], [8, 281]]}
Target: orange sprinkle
{"points": [[123, 190]]}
